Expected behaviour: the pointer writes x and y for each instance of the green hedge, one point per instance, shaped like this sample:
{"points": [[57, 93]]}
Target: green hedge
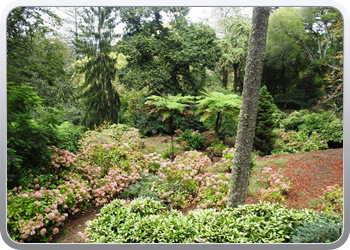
{"points": [[147, 221]]}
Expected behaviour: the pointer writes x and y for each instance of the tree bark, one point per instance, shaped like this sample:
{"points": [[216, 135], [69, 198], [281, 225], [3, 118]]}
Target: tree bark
{"points": [[248, 113], [217, 124], [235, 81]]}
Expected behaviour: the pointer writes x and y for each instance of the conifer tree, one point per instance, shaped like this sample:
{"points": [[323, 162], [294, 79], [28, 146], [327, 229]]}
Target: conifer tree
{"points": [[264, 135], [101, 99]]}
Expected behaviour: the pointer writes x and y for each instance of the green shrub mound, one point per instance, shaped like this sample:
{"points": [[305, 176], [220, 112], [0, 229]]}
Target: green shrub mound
{"points": [[325, 123], [147, 221], [194, 140], [323, 228], [141, 188]]}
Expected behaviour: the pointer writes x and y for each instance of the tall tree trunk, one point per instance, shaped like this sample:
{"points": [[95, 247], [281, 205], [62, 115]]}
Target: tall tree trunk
{"points": [[217, 124], [171, 132], [235, 79], [248, 113]]}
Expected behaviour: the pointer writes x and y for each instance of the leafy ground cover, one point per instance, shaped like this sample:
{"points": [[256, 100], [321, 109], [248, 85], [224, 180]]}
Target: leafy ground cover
{"points": [[309, 176]]}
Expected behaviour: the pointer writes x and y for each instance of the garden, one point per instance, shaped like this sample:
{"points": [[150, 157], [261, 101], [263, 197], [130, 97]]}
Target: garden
{"points": [[137, 134], [145, 196]]}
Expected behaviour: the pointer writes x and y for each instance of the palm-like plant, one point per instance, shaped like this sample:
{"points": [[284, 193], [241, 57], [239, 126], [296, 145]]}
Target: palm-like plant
{"points": [[166, 107], [216, 102]]}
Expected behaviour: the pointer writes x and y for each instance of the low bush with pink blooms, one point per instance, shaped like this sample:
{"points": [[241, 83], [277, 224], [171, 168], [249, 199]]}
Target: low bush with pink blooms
{"points": [[107, 162], [186, 182], [333, 200], [278, 185]]}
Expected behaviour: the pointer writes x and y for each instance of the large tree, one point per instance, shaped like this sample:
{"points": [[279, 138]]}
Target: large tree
{"points": [[248, 113], [100, 96], [232, 26], [26, 29], [302, 48], [166, 57]]}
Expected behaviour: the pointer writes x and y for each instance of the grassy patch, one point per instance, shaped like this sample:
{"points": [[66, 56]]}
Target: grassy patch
{"points": [[157, 144]]}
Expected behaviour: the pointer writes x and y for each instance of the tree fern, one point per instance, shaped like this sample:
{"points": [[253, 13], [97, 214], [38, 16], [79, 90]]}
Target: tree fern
{"points": [[167, 106], [216, 102]]}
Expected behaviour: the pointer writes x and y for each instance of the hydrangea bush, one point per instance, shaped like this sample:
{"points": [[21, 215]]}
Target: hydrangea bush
{"points": [[107, 162]]}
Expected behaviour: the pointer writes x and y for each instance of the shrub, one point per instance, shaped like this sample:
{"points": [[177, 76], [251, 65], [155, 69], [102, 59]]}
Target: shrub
{"points": [[294, 142], [98, 174], [321, 228], [226, 162], [278, 185], [145, 206], [333, 200], [278, 116], [36, 215], [27, 140], [143, 188], [70, 135], [193, 139], [216, 148], [325, 123], [122, 222]]}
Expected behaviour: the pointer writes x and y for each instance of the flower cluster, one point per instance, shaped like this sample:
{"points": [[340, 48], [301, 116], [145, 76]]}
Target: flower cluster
{"points": [[63, 158], [153, 162], [41, 212], [187, 182], [278, 185]]}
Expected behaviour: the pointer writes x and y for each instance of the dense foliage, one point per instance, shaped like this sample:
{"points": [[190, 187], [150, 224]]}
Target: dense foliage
{"points": [[167, 58], [27, 140], [192, 140], [320, 229], [109, 165], [147, 221], [325, 123], [264, 135]]}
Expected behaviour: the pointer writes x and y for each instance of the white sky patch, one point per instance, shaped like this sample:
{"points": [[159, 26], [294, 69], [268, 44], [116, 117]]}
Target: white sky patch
{"points": [[198, 12]]}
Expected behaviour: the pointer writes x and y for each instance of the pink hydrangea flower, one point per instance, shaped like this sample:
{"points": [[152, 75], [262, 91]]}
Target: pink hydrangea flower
{"points": [[55, 231], [43, 231]]}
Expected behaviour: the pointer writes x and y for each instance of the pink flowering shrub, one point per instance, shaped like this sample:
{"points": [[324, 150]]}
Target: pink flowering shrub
{"points": [[213, 192], [185, 181], [63, 158], [278, 185], [332, 200], [226, 162], [101, 170], [108, 169], [33, 215], [153, 161]]}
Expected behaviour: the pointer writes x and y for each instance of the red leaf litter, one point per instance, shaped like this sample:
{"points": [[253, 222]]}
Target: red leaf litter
{"points": [[309, 174]]}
